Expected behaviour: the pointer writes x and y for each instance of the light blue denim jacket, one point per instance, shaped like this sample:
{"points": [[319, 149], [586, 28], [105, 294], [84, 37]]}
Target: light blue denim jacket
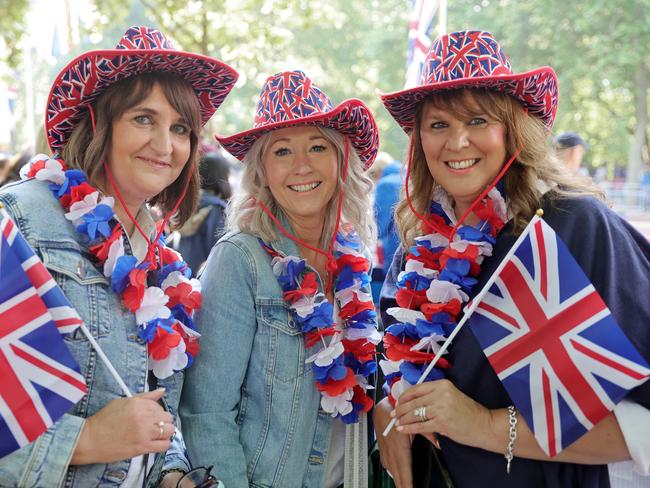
{"points": [[45, 462], [249, 404]]}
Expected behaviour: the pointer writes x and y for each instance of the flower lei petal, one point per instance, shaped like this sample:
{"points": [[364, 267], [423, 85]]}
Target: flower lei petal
{"points": [[437, 279], [162, 312], [342, 366]]}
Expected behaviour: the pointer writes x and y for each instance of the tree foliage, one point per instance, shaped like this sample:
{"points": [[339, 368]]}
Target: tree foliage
{"points": [[12, 29]]}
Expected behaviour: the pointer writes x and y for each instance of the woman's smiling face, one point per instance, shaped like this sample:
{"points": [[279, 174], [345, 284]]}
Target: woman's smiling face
{"points": [[301, 167], [464, 154]]}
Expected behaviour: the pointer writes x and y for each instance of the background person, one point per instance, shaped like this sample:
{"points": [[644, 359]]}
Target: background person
{"points": [[571, 149]]}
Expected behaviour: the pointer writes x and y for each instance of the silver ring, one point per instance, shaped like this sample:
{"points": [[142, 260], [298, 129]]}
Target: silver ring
{"points": [[161, 426], [421, 413]]}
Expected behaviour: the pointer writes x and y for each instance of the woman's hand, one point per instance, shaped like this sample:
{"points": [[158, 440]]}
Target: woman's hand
{"points": [[449, 412], [395, 448], [125, 428]]}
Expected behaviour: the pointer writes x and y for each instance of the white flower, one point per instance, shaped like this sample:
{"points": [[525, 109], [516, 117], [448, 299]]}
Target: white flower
{"points": [[430, 343], [79, 209], [176, 277], [390, 367], [499, 203], [405, 315], [153, 306], [445, 291], [304, 305], [114, 253], [327, 355], [399, 387], [176, 360], [279, 264], [369, 333], [414, 266], [435, 240], [337, 404], [346, 296], [52, 171]]}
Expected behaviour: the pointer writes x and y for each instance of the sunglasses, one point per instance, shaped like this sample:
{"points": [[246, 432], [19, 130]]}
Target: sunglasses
{"points": [[199, 478]]}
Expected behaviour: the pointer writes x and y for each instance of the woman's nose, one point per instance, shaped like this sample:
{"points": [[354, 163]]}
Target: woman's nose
{"points": [[458, 139], [161, 141]]}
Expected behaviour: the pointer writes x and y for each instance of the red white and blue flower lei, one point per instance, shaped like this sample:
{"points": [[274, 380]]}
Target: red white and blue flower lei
{"points": [[162, 312], [436, 282], [341, 367]]}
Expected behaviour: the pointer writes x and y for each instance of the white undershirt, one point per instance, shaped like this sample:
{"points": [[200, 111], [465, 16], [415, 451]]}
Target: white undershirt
{"points": [[335, 455]]}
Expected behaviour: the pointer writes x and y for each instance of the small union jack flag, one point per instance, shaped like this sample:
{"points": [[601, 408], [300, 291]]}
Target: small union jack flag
{"points": [[553, 342], [41, 380]]}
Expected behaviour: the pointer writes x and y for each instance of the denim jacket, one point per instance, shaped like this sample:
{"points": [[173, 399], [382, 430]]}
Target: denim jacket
{"points": [[45, 462], [249, 404]]}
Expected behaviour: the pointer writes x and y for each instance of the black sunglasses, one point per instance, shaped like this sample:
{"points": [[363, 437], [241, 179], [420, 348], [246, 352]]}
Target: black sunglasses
{"points": [[198, 478]]}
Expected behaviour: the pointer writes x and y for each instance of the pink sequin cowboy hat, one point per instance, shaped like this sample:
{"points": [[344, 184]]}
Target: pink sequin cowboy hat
{"points": [[474, 59], [290, 98], [140, 50]]}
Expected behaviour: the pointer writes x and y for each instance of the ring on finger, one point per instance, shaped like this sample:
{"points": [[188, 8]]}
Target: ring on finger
{"points": [[161, 426], [421, 413]]}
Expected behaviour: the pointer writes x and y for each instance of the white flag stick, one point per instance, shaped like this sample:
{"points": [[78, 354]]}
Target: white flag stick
{"points": [[116, 376], [470, 310]]}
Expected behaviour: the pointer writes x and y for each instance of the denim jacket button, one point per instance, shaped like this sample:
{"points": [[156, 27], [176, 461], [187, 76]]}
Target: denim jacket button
{"points": [[292, 323], [81, 273]]}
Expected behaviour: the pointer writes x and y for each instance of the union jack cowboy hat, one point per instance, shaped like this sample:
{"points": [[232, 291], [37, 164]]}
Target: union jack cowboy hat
{"points": [[289, 99], [141, 50], [474, 59]]}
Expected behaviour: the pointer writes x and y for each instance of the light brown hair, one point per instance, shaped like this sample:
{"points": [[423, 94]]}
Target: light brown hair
{"points": [[87, 149]]}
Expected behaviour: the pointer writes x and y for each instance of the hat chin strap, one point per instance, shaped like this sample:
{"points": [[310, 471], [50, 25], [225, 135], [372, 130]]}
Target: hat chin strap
{"points": [[331, 266], [440, 229], [152, 246]]}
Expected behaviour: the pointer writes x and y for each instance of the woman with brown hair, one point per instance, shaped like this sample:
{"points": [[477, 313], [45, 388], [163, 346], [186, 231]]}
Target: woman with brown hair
{"points": [[479, 168], [123, 125]]}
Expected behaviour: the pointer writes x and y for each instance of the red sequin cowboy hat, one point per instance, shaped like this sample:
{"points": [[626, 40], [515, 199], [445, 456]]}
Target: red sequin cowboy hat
{"points": [[140, 50], [289, 99], [474, 59]]}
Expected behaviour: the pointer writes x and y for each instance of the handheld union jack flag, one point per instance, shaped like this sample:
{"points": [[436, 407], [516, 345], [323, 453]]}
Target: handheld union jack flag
{"points": [[40, 378], [553, 342]]}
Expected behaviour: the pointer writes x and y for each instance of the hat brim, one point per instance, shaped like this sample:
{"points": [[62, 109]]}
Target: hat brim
{"points": [[82, 80], [351, 118], [537, 90]]}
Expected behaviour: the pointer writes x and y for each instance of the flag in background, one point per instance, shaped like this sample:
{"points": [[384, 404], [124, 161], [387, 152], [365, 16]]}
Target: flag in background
{"points": [[553, 342], [41, 380], [420, 25]]}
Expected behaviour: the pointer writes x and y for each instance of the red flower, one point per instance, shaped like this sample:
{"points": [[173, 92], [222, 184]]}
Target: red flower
{"points": [[452, 307], [134, 292], [355, 306], [397, 349], [358, 264], [314, 336], [308, 287], [335, 388], [361, 348], [430, 259], [163, 342], [436, 223], [411, 299], [469, 254], [35, 167], [360, 397], [485, 211], [100, 251], [79, 192], [185, 295]]}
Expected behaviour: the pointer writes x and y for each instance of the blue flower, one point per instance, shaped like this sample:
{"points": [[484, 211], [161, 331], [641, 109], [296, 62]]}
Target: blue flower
{"points": [[436, 209], [346, 278], [352, 417], [148, 332], [412, 372], [73, 177], [179, 313], [123, 267], [363, 316], [456, 272], [417, 281], [336, 371], [401, 329], [320, 318], [97, 222], [469, 233], [174, 266], [289, 279], [351, 240], [363, 368], [424, 328]]}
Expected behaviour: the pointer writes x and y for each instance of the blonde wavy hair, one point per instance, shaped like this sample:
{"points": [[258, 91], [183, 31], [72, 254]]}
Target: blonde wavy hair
{"points": [[245, 215], [537, 161]]}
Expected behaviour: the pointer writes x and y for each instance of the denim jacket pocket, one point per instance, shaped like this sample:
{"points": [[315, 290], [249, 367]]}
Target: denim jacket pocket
{"points": [[284, 340], [83, 284]]}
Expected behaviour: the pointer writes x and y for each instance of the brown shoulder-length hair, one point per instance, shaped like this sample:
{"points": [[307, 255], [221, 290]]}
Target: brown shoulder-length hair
{"points": [[87, 149], [536, 163]]}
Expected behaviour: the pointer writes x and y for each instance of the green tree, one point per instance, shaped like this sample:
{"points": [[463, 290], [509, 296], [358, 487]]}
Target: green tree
{"points": [[12, 29]]}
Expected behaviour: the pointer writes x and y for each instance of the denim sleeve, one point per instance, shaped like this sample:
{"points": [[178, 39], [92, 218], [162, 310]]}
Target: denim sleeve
{"points": [[389, 289], [212, 389], [176, 455], [44, 462]]}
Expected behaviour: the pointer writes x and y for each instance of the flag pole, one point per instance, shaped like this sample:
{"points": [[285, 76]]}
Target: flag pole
{"points": [[116, 376], [472, 306]]}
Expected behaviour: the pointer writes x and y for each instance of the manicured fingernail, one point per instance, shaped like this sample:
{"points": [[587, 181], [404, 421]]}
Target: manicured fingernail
{"points": [[400, 428], [392, 413]]}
